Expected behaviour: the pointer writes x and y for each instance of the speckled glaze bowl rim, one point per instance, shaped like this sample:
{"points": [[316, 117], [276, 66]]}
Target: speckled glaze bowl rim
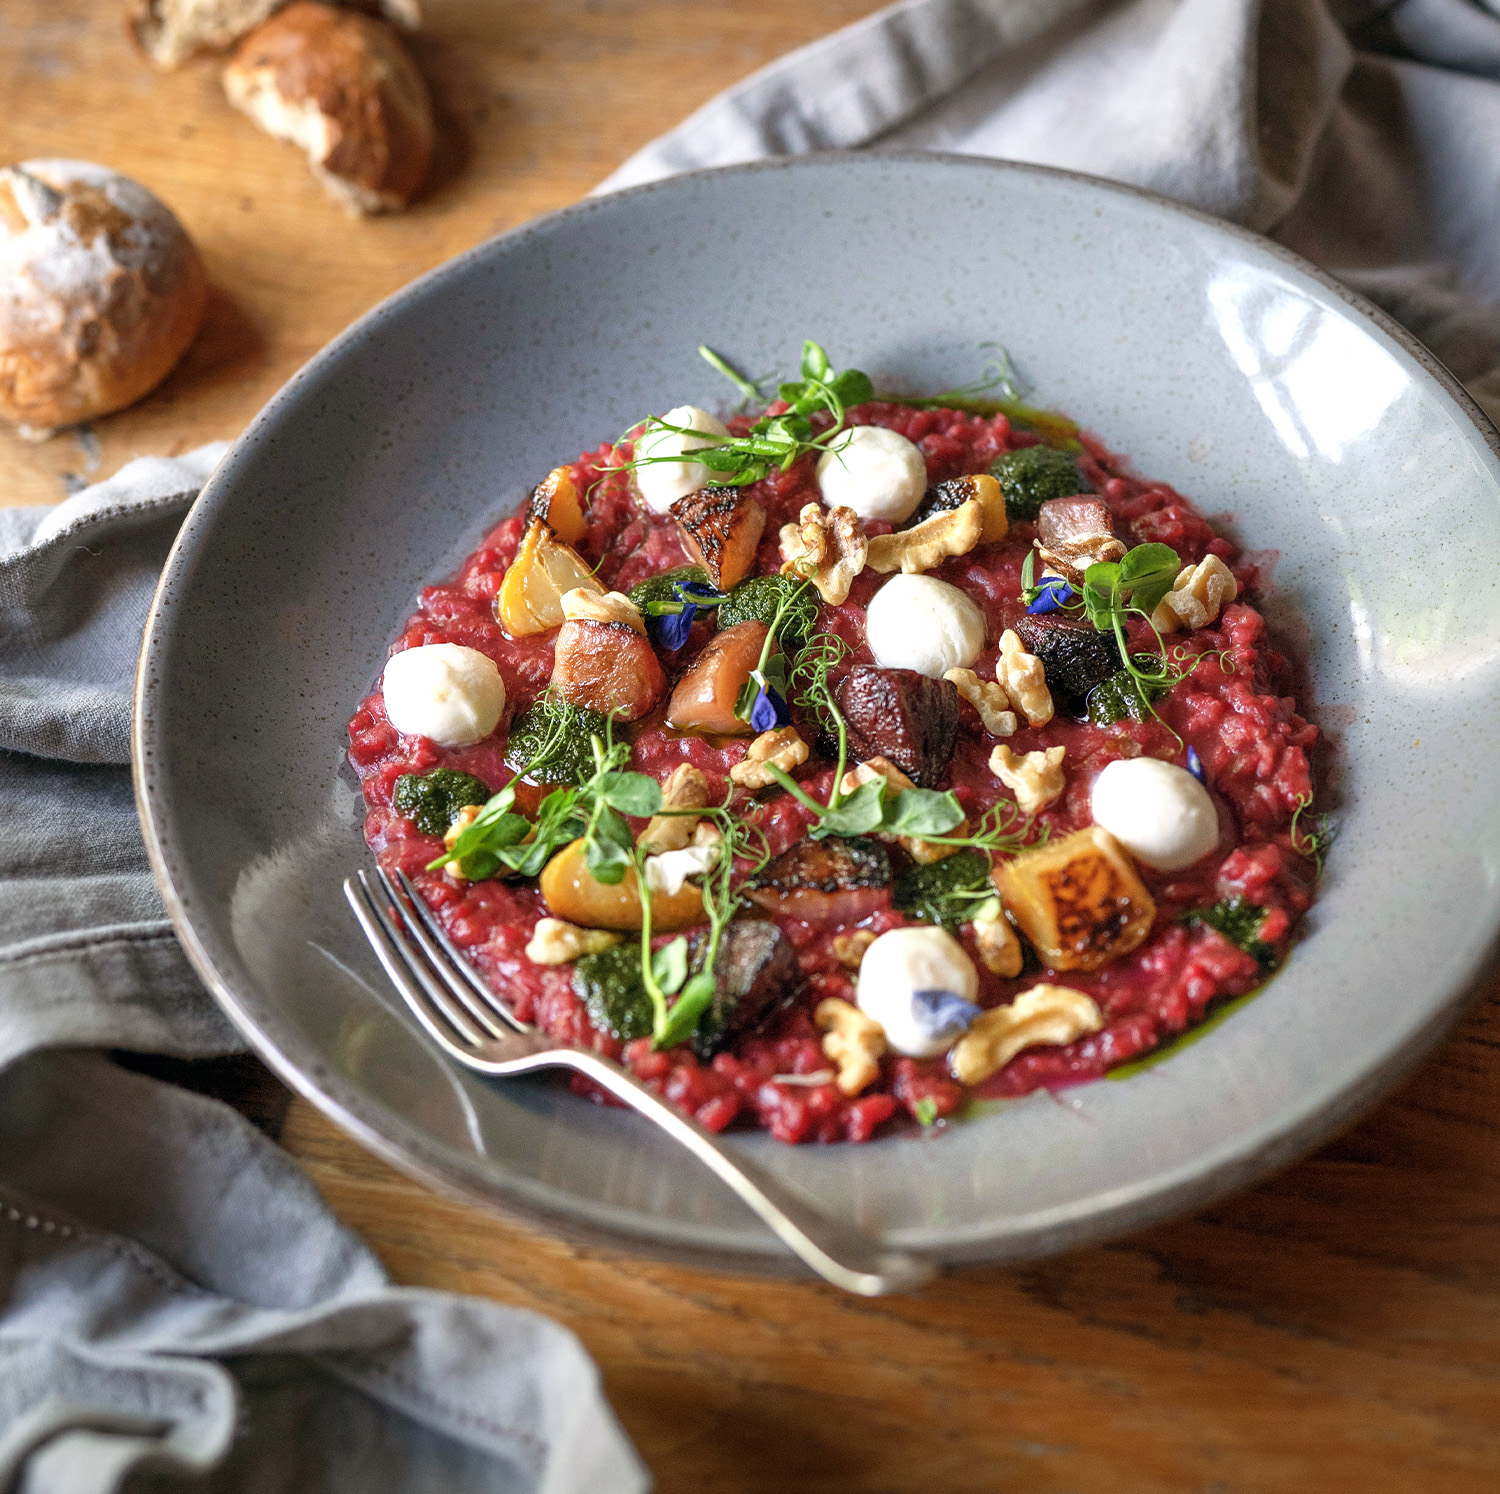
{"points": [[1278, 1141]]}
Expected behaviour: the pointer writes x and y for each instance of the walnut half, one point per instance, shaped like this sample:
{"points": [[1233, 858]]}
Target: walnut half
{"points": [[783, 747], [1045, 1014], [1036, 778], [953, 532], [827, 547], [1196, 596]]}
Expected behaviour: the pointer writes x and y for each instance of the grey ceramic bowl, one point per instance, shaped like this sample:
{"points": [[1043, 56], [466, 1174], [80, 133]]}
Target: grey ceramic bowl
{"points": [[1218, 361]]}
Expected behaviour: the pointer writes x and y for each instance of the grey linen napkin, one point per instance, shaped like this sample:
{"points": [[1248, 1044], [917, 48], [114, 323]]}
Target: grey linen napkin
{"points": [[1364, 135], [176, 1301]]}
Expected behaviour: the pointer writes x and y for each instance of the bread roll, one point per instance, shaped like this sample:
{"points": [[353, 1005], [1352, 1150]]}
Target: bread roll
{"points": [[341, 86], [171, 31], [102, 293]]}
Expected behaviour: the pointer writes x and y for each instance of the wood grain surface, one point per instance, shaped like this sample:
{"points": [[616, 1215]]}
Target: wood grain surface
{"points": [[1336, 1329]]}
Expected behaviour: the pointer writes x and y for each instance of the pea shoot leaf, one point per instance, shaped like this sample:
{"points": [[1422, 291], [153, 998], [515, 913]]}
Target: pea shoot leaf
{"points": [[669, 966], [922, 812], [635, 794]]}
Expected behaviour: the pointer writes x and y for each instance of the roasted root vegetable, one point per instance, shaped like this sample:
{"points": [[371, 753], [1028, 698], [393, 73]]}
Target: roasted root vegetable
{"points": [[945, 496], [902, 716], [557, 502], [705, 696], [1074, 533], [721, 529], [1079, 900], [831, 880], [755, 973], [572, 893], [1076, 657], [607, 667], [530, 599]]}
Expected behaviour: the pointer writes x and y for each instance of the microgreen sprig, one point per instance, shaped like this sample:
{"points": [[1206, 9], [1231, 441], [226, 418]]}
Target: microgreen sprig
{"points": [[1313, 844], [762, 700], [665, 972], [774, 442]]}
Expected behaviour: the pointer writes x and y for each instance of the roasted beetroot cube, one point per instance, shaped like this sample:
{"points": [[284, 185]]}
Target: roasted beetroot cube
{"points": [[755, 973], [902, 716], [1076, 656], [832, 881]]}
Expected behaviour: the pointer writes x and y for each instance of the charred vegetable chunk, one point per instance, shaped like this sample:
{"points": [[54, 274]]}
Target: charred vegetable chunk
{"points": [[1031, 476], [659, 588], [574, 894], [530, 599], [840, 881], [432, 800], [721, 528], [902, 716], [705, 696], [755, 973], [934, 892], [1123, 695], [759, 599], [557, 502], [549, 742], [1074, 533], [1076, 657], [607, 667], [1079, 900], [612, 991], [1239, 921], [943, 497]]}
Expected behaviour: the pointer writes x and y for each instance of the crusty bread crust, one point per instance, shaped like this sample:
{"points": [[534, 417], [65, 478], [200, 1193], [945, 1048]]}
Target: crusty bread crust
{"points": [[101, 291], [342, 86], [169, 32]]}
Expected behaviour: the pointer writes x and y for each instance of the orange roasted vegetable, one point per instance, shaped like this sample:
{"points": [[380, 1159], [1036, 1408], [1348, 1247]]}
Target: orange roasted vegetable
{"points": [[607, 667], [721, 529], [705, 696], [571, 893], [557, 503], [530, 599]]}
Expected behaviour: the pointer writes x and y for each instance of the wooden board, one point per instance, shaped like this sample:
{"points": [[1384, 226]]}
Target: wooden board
{"points": [[1335, 1330]]}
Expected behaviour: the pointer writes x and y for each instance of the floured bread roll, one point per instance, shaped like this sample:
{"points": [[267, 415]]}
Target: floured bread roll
{"points": [[341, 86], [103, 292], [171, 31]]}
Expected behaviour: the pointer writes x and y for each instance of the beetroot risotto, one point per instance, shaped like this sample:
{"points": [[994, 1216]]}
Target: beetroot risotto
{"points": [[838, 765]]}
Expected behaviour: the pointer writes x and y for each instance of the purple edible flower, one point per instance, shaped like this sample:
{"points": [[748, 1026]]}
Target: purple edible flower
{"points": [[769, 711], [671, 629], [1195, 766], [942, 1013], [1053, 593]]}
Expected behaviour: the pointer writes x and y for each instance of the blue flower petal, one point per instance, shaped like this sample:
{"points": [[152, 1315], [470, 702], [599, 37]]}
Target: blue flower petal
{"points": [[942, 1013], [1053, 593], [769, 711], [671, 631], [1195, 766]]}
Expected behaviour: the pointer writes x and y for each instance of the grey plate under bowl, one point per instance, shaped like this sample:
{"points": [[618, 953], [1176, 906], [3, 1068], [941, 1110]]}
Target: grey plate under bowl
{"points": [[1219, 362]]}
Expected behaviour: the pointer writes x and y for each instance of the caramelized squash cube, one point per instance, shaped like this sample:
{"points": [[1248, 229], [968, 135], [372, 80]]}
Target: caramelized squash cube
{"points": [[557, 502], [1079, 900], [721, 530]]}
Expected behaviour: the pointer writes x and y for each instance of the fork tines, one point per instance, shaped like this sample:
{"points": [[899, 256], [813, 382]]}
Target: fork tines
{"points": [[445, 992]]}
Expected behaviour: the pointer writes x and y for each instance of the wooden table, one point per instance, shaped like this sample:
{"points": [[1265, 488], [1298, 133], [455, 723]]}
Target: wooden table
{"points": [[1336, 1329]]}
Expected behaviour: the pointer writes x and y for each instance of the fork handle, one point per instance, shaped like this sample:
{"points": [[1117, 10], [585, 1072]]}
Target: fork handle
{"points": [[838, 1252]]}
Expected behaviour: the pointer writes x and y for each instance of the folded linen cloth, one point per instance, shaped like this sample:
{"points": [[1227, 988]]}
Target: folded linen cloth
{"points": [[1364, 134], [175, 1298]]}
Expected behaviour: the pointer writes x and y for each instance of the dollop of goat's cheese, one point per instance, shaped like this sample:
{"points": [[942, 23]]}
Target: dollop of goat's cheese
{"points": [[921, 623], [1159, 812], [662, 483], [876, 472], [920, 986], [444, 691]]}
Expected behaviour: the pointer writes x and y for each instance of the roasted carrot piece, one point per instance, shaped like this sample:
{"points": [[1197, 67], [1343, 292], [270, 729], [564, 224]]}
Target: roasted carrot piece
{"points": [[705, 696], [557, 502]]}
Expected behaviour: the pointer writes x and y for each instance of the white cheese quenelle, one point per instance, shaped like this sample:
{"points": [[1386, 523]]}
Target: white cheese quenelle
{"points": [[451, 694], [921, 623], [876, 472], [660, 483], [1159, 812], [920, 986]]}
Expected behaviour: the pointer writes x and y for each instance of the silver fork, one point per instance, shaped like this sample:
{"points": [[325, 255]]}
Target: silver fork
{"points": [[470, 1023]]}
